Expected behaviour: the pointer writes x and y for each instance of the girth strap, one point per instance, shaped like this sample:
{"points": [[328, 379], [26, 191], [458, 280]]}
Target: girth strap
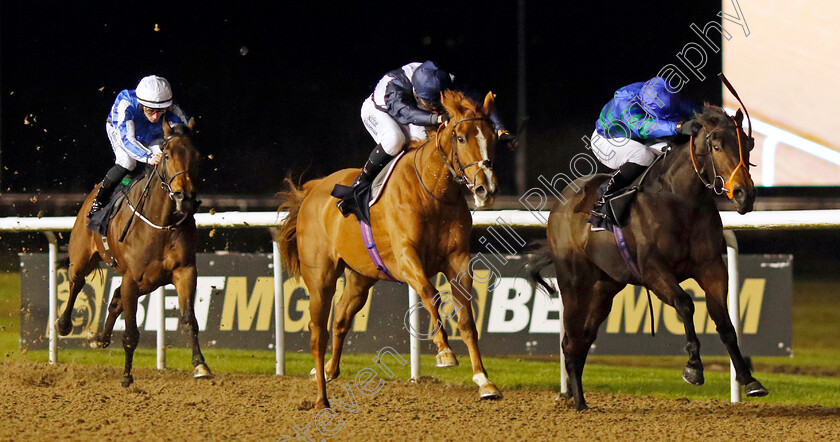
{"points": [[367, 238]]}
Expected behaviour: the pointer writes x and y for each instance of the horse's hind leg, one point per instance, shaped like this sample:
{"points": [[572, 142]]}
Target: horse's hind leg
{"points": [[584, 309], [461, 283], [129, 294], [320, 275], [83, 260], [102, 339], [713, 281], [666, 287], [417, 279], [352, 300], [184, 279]]}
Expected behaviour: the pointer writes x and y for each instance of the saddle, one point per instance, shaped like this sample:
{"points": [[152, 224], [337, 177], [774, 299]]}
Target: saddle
{"points": [[617, 204], [359, 200], [98, 222]]}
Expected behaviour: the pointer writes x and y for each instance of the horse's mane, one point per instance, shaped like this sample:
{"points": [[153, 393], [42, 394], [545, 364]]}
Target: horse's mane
{"points": [[465, 107], [714, 116]]}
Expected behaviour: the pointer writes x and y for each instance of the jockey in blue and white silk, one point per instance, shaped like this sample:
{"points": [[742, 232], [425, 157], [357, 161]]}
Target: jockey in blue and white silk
{"points": [[135, 131]]}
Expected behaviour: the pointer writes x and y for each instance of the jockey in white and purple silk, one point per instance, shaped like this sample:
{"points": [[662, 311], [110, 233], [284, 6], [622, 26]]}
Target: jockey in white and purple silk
{"points": [[135, 131], [630, 130]]}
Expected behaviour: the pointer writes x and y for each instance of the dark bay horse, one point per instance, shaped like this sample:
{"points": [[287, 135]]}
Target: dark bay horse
{"points": [[674, 233], [159, 248], [421, 226]]}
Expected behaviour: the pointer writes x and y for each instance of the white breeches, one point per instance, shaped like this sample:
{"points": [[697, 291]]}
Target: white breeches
{"points": [[386, 131], [123, 158], [614, 152]]}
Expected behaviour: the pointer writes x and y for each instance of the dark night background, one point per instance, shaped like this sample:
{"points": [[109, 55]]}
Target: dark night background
{"points": [[291, 104]]}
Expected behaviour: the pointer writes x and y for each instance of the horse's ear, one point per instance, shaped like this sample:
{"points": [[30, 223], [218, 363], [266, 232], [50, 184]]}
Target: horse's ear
{"points": [[739, 117], [191, 124], [167, 130], [452, 103], [489, 103]]}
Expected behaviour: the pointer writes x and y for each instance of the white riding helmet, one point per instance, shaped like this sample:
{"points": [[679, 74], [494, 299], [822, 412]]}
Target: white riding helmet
{"points": [[154, 92]]}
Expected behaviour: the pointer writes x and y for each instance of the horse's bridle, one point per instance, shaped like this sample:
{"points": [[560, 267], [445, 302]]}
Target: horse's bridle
{"points": [[460, 175], [165, 184], [726, 186]]}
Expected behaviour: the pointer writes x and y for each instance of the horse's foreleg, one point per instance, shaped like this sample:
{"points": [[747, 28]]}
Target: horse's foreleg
{"points": [[461, 283], [713, 281], [129, 294], [667, 288], [352, 300], [102, 339], [184, 279]]}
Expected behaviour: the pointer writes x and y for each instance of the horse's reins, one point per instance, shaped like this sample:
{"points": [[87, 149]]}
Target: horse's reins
{"points": [[165, 184], [460, 175], [726, 186]]}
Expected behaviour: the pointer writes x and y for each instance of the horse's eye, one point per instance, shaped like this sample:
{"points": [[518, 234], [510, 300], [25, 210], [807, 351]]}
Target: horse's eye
{"points": [[166, 156], [717, 148], [460, 139]]}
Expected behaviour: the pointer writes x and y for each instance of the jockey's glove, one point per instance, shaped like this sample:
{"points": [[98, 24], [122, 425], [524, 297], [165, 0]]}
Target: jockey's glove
{"points": [[689, 127]]}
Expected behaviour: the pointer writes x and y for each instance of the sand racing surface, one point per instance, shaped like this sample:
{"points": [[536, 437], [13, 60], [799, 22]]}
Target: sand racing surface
{"points": [[79, 402]]}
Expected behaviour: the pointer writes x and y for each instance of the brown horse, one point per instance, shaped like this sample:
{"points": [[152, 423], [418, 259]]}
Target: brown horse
{"points": [[158, 249], [421, 226], [674, 233]]}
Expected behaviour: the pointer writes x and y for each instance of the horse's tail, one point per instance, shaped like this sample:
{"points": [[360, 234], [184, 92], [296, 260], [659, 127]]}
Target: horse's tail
{"points": [[542, 258], [286, 237]]}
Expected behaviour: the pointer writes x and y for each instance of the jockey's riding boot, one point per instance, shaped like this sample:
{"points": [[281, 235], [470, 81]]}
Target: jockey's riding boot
{"points": [[114, 175], [376, 162], [622, 177]]}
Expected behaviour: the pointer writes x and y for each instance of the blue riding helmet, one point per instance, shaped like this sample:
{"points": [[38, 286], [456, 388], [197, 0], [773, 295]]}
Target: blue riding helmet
{"points": [[429, 80]]}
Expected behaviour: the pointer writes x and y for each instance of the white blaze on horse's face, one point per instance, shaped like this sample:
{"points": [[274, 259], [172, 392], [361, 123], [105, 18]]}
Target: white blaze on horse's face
{"points": [[485, 183]]}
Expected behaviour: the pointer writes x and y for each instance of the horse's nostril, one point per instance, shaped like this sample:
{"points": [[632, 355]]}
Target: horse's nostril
{"points": [[481, 191], [739, 193]]}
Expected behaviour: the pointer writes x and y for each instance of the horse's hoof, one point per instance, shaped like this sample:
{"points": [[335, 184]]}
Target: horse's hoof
{"points": [[563, 397], [446, 359], [202, 371], [127, 381], [321, 404], [581, 406], [97, 341], [314, 378], [63, 328], [693, 376], [755, 389], [489, 391]]}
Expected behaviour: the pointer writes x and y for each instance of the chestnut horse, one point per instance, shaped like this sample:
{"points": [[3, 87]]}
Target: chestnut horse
{"points": [[674, 232], [421, 226], [158, 249]]}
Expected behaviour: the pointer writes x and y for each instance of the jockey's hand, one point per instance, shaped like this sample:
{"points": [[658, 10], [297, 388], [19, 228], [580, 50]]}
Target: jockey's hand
{"points": [[690, 127], [442, 118], [155, 160], [505, 138]]}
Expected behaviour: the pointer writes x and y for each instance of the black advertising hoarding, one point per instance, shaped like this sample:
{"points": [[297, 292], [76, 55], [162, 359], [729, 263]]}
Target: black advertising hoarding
{"points": [[235, 309]]}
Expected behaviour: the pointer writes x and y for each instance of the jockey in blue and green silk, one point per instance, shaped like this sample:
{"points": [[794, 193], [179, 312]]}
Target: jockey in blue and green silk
{"points": [[628, 134], [135, 131]]}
